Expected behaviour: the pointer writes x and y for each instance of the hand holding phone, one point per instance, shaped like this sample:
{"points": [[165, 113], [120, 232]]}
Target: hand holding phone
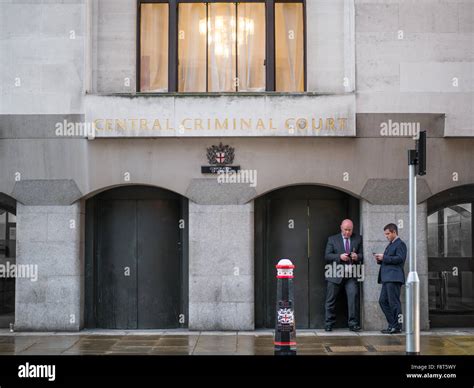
{"points": [[344, 257]]}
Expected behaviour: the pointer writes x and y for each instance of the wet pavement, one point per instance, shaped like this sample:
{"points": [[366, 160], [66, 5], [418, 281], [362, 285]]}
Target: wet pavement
{"points": [[183, 342]]}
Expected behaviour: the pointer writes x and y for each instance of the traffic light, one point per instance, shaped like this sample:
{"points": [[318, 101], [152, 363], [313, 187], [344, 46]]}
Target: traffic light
{"points": [[421, 154]]}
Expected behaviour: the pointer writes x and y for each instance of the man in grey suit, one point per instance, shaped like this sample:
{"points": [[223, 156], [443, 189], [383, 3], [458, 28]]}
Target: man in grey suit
{"points": [[343, 250]]}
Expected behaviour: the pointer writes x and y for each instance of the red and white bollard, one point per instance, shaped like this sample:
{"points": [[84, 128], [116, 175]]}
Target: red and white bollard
{"points": [[285, 329]]}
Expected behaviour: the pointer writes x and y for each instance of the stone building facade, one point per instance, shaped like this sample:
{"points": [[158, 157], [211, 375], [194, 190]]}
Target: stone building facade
{"points": [[338, 148]]}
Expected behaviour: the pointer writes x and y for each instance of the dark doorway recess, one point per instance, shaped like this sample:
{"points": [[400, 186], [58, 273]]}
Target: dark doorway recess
{"points": [[295, 222], [136, 259]]}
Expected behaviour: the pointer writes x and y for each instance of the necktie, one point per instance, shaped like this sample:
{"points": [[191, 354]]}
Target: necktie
{"points": [[347, 245]]}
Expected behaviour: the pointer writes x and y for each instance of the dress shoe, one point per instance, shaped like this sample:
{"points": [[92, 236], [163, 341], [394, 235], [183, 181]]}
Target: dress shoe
{"points": [[391, 330], [354, 328], [328, 328]]}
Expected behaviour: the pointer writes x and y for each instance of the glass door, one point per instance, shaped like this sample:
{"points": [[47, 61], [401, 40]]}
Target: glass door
{"points": [[451, 266]]}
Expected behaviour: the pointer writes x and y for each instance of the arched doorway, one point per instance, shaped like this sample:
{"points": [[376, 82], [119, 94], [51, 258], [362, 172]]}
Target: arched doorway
{"points": [[136, 259], [7, 261], [295, 222], [450, 258]]}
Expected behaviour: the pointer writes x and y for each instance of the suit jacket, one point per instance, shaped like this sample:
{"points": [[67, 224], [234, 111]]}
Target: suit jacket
{"points": [[334, 249], [391, 267]]}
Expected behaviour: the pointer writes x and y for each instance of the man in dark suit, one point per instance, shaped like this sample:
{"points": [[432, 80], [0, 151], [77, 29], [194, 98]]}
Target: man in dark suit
{"points": [[342, 250], [392, 276]]}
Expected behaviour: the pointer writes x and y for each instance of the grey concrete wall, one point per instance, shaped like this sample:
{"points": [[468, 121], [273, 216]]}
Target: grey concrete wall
{"points": [[174, 163], [415, 72], [42, 56], [221, 272], [29, 147], [37, 46], [330, 46], [113, 29], [29, 159], [373, 219], [46, 239]]}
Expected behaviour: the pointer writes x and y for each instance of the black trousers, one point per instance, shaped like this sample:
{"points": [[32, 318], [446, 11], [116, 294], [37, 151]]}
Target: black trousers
{"points": [[390, 303], [351, 286]]}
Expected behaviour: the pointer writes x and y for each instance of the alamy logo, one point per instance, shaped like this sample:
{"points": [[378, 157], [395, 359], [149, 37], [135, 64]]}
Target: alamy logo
{"points": [[394, 128], [355, 271], [73, 129], [28, 271], [243, 176], [37, 371]]}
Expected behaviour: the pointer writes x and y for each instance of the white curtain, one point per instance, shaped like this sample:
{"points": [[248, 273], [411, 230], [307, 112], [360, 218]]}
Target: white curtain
{"points": [[221, 47], [154, 48], [289, 47], [192, 47], [225, 33], [251, 44]]}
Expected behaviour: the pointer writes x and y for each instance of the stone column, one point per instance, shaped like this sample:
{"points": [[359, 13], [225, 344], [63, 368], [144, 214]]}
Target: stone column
{"points": [[374, 218], [50, 239], [221, 270]]}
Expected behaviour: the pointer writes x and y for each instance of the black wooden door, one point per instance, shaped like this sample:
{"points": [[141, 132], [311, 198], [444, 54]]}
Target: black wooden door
{"points": [[138, 264], [117, 265], [287, 239], [158, 263]]}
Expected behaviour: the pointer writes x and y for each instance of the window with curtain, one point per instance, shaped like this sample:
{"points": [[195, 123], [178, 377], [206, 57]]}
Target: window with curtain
{"points": [[289, 47], [192, 49], [251, 52], [221, 47], [154, 47]]}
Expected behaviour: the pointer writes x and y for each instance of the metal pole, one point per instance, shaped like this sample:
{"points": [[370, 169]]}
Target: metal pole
{"points": [[413, 282]]}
